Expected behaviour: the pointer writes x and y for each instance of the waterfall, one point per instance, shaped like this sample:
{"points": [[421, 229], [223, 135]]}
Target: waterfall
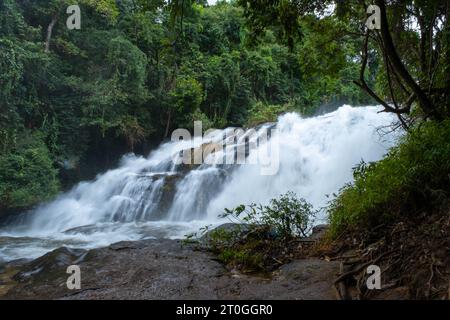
{"points": [[156, 197]]}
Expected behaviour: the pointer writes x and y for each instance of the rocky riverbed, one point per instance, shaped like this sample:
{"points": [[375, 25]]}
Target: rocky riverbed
{"points": [[160, 269]]}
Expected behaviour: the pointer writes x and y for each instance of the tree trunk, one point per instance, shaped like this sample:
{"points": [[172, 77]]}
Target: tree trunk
{"points": [[166, 133], [49, 33], [398, 65]]}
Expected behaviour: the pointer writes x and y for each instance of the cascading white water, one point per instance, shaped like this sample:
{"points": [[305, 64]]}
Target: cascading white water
{"points": [[153, 197]]}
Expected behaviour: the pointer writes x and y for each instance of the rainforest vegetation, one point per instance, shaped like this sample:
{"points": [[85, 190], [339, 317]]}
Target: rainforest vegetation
{"points": [[73, 101]]}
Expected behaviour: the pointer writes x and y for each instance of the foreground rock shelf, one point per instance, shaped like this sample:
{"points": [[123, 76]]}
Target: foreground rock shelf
{"points": [[160, 269]]}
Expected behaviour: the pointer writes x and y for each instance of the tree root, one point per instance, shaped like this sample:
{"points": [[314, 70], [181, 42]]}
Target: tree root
{"points": [[413, 255]]}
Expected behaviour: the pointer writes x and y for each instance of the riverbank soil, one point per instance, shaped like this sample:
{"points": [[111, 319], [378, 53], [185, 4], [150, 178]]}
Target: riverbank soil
{"points": [[413, 256]]}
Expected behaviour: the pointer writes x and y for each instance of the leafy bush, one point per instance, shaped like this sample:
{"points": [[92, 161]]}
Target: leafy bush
{"points": [[27, 175], [260, 237], [288, 216], [412, 178]]}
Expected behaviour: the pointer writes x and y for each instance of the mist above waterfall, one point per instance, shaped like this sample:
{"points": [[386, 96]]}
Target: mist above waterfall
{"points": [[154, 197]]}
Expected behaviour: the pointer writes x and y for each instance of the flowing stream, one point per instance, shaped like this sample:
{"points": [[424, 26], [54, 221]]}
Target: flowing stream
{"points": [[153, 196]]}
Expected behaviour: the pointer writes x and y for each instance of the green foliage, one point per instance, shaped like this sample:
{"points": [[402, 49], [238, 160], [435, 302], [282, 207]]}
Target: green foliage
{"points": [[287, 215], [11, 70], [106, 8], [128, 67], [246, 247], [130, 128], [245, 258], [412, 178], [27, 176], [260, 237], [408, 59], [185, 99], [11, 20], [262, 113]]}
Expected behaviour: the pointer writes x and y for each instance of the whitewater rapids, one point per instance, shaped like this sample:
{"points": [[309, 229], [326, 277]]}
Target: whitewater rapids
{"points": [[152, 197]]}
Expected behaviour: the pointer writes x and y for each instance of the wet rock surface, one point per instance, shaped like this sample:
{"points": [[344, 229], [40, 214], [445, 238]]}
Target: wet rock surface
{"points": [[159, 269]]}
